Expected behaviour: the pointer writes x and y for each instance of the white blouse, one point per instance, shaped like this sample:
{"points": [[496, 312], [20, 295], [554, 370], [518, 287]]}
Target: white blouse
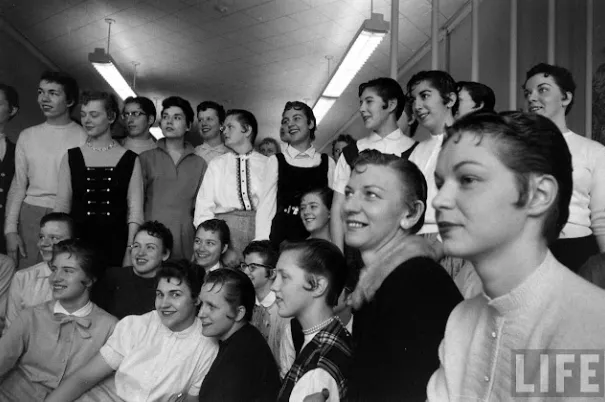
{"points": [[587, 206], [232, 183], [152, 362]]}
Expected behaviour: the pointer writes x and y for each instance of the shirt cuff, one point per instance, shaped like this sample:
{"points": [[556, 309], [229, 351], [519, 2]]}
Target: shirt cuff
{"points": [[111, 357]]}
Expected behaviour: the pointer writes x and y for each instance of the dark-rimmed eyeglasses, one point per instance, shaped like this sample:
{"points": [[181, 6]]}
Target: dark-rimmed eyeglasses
{"points": [[253, 266], [136, 113]]}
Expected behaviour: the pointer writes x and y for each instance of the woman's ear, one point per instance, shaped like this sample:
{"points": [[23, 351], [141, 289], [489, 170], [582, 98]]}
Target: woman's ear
{"points": [[543, 191], [240, 312], [567, 97], [166, 255], [412, 215], [14, 111], [452, 100], [321, 286]]}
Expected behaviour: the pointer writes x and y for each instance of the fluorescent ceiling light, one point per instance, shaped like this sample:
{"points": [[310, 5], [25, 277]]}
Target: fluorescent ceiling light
{"points": [[322, 107], [156, 132], [366, 40], [106, 66]]}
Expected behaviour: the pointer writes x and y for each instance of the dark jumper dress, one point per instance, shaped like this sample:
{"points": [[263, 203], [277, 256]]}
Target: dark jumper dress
{"points": [[292, 182], [100, 204]]}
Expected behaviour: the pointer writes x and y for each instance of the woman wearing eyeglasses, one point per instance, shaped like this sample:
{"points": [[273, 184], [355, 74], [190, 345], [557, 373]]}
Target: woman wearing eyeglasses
{"points": [[139, 115], [259, 264]]}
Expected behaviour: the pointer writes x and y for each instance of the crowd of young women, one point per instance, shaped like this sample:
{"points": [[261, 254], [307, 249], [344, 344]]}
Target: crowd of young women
{"points": [[398, 271]]}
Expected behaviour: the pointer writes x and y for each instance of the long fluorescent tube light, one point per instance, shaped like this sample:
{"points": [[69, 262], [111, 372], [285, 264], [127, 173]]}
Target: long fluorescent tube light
{"points": [[106, 66], [366, 40]]}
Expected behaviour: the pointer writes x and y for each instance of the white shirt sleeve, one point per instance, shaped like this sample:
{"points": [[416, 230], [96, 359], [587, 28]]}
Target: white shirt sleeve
{"points": [[18, 188], [342, 173], [312, 382], [331, 168], [205, 203], [64, 190], [436, 389], [267, 205], [121, 341]]}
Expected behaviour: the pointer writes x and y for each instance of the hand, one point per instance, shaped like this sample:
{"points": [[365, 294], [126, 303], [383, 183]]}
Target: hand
{"points": [[177, 397], [15, 247], [318, 397]]}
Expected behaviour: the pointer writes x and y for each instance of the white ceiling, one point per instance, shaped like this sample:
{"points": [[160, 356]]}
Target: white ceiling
{"points": [[250, 54]]}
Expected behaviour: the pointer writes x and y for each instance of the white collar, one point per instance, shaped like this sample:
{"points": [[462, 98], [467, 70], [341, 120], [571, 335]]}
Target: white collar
{"points": [[392, 136], [293, 152], [215, 267], [268, 300], [82, 312]]}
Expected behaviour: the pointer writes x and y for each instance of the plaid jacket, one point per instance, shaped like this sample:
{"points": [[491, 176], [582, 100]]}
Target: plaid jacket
{"points": [[331, 350]]}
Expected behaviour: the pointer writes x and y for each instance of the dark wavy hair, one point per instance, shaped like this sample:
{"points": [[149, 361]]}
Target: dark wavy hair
{"points": [[239, 290]]}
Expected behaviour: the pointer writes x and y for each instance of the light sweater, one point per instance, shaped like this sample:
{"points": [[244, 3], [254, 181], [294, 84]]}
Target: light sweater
{"points": [[552, 309], [587, 206], [37, 160]]}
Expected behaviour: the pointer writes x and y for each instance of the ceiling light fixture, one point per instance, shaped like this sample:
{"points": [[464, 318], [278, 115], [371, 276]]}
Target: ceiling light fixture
{"points": [[361, 48], [108, 68]]}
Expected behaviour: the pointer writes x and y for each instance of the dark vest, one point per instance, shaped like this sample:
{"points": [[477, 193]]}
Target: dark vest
{"points": [[100, 203], [292, 183], [351, 152], [7, 172]]}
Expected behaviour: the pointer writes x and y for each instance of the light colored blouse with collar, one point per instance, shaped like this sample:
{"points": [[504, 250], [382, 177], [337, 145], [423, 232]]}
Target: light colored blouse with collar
{"points": [[552, 309], [153, 363], [232, 183], [587, 206]]}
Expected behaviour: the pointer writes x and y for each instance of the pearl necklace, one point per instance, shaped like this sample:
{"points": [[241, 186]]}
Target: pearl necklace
{"points": [[318, 327], [102, 149]]}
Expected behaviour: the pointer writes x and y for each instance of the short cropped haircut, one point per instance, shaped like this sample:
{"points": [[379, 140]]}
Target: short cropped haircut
{"points": [[440, 80], [308, 112], [219, 226], [219, 109], [413, 182], [179, 102], [239, 290], [388, 89], [69, 84], [562, 77], [527, 144], [247, 120], [326, 194], [264, 249], [144, 103], [343, 138], [12, 97], [85, 255], [323, 258], [110, 102], [479, 93], [60, 217], [159, 231], [270, 140], [183, 271]]}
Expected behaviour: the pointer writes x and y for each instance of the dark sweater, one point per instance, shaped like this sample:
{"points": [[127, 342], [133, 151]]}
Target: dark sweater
{"points": [[244, 370], [397, 334], [121, 292]]}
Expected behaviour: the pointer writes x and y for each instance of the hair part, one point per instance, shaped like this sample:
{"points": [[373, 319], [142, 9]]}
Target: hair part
{"points": [[318, 257], [63, 218], [219, 109], [562, 77], [110, 103], [183, 271], [528, 145], [217, 226], [388, 89], [480, 93], [238, 289], [159, 231], [145, 104], [247, 120], [85, 255], [413, 182], [69, 84]]}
